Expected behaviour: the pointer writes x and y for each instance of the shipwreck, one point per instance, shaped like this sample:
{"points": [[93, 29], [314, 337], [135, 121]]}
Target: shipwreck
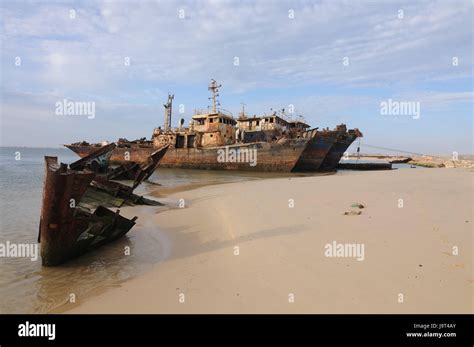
{"points": [[283, 143], [76, 215]]}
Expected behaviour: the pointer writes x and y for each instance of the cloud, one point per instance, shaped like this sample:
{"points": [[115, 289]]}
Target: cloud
{"points": [[273, 49], [86, 57]]}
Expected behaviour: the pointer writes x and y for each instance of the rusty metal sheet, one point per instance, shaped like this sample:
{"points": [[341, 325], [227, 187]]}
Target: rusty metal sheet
{"points": [[95, 160], [68, 227]]}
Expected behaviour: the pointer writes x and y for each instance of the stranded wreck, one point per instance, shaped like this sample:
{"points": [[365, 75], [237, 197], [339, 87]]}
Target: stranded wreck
{"points": [[75, 215], [217, 140]]}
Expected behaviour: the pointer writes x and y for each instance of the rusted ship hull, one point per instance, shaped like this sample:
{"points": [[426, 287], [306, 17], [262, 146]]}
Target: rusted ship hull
{"points": [[337, 150], [275, 157], [320, 144], [67, 230], [74, 214]]}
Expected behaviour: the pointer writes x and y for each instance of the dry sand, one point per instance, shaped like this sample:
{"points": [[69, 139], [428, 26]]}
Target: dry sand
{"points": [[408, 250]]}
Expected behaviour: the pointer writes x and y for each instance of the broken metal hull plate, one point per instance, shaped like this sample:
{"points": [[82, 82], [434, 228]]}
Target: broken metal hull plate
{"points": [[68, 230], [126, 171], [272, 157], [147, 169], [97, 161]]}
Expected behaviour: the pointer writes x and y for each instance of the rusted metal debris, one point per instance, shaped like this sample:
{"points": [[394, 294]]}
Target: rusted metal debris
{"points": [[98, 161], [75, 217], [138, 172]]}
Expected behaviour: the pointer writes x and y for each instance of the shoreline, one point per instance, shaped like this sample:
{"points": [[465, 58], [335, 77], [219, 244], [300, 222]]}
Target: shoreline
{"points": [[281, 249], [142, 212]]}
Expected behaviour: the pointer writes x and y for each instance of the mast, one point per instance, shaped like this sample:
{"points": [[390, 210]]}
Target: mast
{"points": [[168, 109], [242, 111], [214, 88]]}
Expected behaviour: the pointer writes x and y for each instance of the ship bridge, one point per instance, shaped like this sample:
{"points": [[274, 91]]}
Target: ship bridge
{"points": [[216, 129]]}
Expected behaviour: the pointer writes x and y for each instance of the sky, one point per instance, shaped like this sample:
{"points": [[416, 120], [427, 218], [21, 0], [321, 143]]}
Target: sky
{"points": [[331, 61]]}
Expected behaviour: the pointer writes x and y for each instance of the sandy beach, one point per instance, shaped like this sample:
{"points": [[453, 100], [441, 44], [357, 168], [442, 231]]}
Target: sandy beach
{"points": [[260, 246]]}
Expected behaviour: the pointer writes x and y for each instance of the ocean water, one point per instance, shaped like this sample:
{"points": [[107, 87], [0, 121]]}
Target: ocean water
{"points": [[26, 286]]}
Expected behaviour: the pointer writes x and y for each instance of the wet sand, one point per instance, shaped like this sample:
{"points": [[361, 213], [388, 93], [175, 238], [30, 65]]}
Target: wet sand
{"points": [[280, 265]]}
